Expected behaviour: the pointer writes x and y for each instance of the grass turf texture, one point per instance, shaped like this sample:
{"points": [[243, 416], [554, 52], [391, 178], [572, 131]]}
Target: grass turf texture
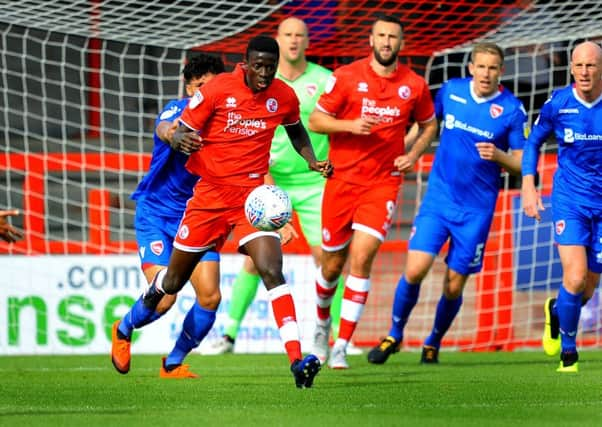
{"points": [[466, 389]]}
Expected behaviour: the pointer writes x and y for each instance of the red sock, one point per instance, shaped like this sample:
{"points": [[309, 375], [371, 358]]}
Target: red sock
{"points": [[324, 301], [353, 304], [324, 291], [283, 307]]}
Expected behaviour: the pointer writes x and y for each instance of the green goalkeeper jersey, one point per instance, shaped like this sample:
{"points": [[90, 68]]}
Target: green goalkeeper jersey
{"points": [[286, 165]]}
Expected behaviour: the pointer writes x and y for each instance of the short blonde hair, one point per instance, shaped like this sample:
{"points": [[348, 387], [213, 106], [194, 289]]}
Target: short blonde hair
{"points": [[487, 47]]}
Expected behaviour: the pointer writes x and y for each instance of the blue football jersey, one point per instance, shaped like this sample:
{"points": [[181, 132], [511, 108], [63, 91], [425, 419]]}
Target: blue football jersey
{"points": [[577, 126], [167, 185], [459, 176]]}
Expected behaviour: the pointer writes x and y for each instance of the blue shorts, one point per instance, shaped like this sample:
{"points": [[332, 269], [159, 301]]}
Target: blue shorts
{"points": [[579, 225], [467, 232], [155, 234]]}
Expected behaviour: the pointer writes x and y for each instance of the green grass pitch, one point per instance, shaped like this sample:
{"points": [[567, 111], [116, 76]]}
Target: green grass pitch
{"points": [[465, 389]]}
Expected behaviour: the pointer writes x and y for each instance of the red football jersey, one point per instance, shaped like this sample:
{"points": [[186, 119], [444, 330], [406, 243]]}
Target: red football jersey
{"points": [[237, 127], [355, 91]]}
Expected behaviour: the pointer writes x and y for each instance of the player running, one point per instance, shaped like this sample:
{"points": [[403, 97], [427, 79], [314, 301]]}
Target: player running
{"points": [[481, 122], [236, 113], [574, 115], [366, 108], [160, 202]]}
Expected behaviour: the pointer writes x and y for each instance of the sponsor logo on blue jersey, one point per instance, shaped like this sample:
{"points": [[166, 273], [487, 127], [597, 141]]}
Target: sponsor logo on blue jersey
{"points": [[571, 136], [452, 123]]}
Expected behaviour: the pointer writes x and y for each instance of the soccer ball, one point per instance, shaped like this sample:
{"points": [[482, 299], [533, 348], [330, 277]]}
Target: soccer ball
{"points": [[268, 208]]}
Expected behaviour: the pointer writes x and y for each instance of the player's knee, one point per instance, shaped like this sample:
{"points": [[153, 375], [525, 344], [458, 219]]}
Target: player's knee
{"points": [[414, 275], [362, 260], [172, 283], [452, 293], [272, 276], [332, 268], [210, 301], [574, 282]]}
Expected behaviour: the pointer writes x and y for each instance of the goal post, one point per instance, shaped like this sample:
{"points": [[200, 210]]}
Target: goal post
{"points": [[82, 81]]}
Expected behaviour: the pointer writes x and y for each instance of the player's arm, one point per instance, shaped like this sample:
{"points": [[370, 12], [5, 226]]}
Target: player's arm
{"points": [[511, 161], [322, 122], [426, 117], [8, 233], [426, 132], [165, 131], [200, 108], [302, 144], [335, 96], [184, 139], [531, 199], [411, 135], [186, 142]]}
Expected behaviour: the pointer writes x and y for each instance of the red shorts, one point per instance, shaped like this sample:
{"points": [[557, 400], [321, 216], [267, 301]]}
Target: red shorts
{"points": [[211, 214], [347, 207]]}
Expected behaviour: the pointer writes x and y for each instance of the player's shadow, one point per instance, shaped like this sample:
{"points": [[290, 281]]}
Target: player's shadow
{"points": [[471, 363]]}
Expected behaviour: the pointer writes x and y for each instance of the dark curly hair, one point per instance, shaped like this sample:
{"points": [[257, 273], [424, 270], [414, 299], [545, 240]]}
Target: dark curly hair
{"points": [[201, 64]]}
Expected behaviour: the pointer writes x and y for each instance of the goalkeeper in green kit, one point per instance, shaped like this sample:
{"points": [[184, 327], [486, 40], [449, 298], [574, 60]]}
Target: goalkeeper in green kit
{"points": [[289, 171]]}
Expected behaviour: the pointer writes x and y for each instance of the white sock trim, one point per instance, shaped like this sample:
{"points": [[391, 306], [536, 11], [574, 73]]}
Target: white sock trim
{"points": [[289, 332], [159, 280], [323, 282], [351, 310], [358, 284], [323, 302], [279, 291]]}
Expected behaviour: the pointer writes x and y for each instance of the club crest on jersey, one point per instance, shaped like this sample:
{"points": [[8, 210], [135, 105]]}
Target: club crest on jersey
{"points": [[326, 234], [362, 87], [404, 92], [230, 102], [560, 226], [329, 86], [183, 232], [157, 247], [168, 113], [195, 100], [496, 110], [272, 105], [311, 89]]}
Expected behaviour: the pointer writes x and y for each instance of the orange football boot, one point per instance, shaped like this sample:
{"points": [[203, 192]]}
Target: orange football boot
{"points": [[120, 351], [181, 371]]}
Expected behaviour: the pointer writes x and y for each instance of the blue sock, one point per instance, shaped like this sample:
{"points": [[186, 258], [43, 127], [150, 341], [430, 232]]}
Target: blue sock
{"points": [[197, 324], [447, 309], [569, 310], [138, 316], [555, 311], [406, 297]]}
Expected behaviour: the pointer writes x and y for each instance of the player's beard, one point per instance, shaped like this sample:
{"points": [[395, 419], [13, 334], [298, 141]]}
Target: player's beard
{"points": [[382, 61]]}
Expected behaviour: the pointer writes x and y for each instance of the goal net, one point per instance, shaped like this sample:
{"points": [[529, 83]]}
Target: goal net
{"points": [[81, 84]]}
